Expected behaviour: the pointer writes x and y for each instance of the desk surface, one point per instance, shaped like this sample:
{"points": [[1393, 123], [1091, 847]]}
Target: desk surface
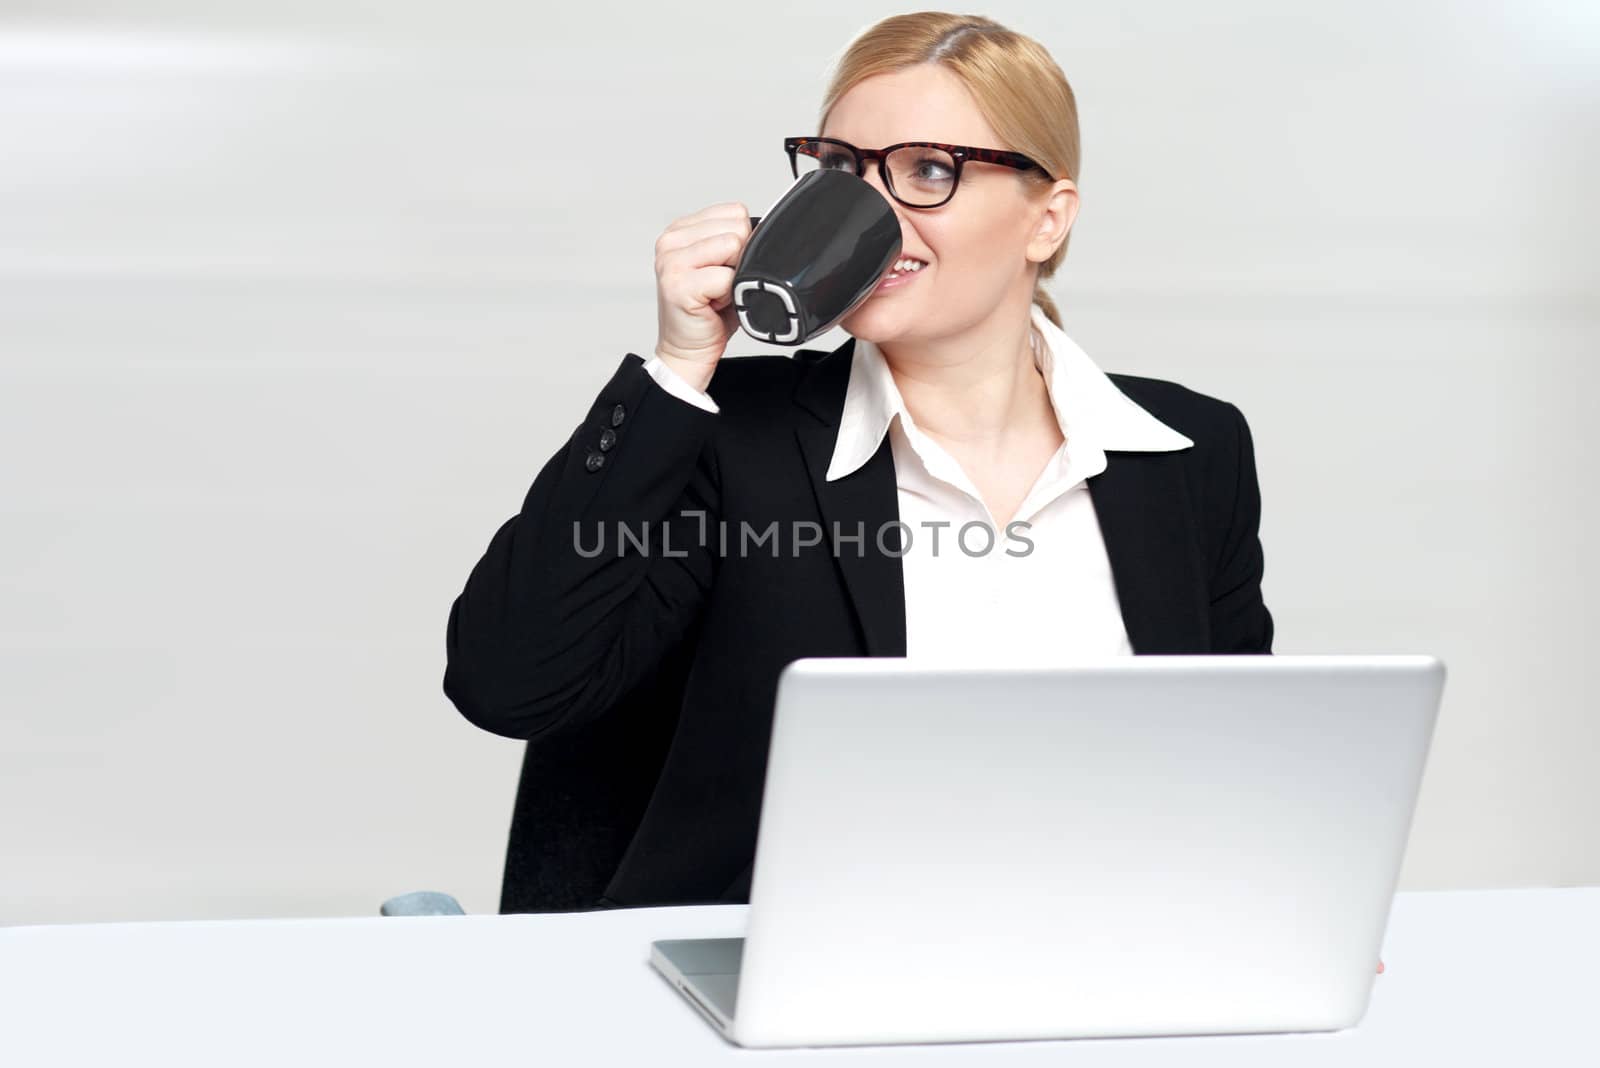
{"points": [[1476, 977]]}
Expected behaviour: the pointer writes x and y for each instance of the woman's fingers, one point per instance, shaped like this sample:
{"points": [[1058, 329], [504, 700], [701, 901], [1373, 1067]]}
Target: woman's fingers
{"points": [[695, 261]]}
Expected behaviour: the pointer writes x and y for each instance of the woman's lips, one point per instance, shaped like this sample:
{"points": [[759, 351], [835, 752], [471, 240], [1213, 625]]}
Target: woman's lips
{"points": [[892, 281]]}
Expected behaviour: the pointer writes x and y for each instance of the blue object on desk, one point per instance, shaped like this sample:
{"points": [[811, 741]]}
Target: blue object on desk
{"points": [[422, 903]]}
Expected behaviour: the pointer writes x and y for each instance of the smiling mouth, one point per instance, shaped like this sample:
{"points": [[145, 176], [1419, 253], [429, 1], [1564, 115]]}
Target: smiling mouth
{"points": [[905, 265]]}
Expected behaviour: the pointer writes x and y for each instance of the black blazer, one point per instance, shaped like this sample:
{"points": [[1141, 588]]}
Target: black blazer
{"points": [[643, 674]]}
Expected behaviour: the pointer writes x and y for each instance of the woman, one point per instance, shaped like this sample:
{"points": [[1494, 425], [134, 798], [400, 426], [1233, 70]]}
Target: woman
{"points": [[711, 521]]}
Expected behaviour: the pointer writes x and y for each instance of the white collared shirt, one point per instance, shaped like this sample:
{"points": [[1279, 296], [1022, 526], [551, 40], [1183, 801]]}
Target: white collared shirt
{"points": [[1051, 597]]}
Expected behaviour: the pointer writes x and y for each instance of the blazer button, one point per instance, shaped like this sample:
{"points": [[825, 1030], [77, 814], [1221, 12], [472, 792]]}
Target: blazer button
{"points": [[594, 461], [608, 438], [618, 414]]}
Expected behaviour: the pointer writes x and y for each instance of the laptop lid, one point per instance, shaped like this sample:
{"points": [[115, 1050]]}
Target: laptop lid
{"points": [[1151, 845]]}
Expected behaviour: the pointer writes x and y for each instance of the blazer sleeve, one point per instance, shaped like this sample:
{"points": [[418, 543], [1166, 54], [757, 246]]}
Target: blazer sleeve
{"points": [[1240, 621], [605, 569]]}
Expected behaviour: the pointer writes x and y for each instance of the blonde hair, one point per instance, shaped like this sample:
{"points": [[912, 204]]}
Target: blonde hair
{"points": [[1017, 86]]}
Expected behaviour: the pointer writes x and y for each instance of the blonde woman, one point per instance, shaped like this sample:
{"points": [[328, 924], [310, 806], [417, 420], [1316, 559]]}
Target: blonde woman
{"points": [[956, 481]]}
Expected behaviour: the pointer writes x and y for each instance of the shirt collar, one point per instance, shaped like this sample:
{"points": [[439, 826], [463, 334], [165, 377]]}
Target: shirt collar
{"points": [[1089, 407]]}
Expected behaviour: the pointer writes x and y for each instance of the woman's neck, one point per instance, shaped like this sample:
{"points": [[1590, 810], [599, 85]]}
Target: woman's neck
{"points": [[979, 393]]}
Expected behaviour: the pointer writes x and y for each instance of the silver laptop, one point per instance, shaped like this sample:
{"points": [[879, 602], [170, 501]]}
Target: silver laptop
{"points": [[1150, 845]]}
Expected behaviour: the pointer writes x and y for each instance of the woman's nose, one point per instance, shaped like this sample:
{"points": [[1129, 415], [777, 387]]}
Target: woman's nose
{"points": [[874, 177], [872, 174]]}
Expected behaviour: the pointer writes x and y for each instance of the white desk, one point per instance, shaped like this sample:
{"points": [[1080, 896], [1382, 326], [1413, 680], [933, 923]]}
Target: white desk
{"points": [[1483, 977]]}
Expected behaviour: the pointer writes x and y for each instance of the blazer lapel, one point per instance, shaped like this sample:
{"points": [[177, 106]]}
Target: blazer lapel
{"points": [[1142, 505], [1141, 502], [866, 501]]}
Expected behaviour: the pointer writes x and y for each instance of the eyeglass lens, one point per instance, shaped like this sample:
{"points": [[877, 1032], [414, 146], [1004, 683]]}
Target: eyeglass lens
{"points": [[921, 177]]}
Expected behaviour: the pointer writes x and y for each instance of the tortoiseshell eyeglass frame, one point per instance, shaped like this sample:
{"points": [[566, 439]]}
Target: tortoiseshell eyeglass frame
{"points": [[960, 153]]}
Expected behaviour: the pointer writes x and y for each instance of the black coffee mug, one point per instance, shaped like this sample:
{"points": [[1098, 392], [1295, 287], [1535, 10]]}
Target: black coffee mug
{"points": [[814, 257]]}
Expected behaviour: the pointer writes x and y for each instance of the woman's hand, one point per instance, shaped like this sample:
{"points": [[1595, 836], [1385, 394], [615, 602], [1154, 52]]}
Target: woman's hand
{"points": [[695, 260], [1380, 967]]}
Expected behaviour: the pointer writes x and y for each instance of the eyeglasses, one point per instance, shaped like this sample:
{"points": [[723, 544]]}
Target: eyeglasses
{"points": [[919, 174]]}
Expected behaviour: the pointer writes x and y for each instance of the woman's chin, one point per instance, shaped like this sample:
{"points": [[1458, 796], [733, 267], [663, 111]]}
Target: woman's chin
{"points": [[873, 321]]}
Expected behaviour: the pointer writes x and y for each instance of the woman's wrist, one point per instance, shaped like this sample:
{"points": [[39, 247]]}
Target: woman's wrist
{"points": [[693, 372]]}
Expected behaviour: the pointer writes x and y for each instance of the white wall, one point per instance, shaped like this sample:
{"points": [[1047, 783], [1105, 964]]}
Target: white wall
{"points": [[295, 301]]}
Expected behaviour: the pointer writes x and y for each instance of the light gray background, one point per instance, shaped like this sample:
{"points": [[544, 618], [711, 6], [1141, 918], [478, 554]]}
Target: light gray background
{"points": [[296, 299]]}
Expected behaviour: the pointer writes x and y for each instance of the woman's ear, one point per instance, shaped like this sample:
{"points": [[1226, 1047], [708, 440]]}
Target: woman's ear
{"points": [[1058, 209]]}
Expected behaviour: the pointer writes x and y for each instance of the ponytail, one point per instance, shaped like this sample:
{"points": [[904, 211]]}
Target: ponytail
{"points": [[1042, 297]]}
